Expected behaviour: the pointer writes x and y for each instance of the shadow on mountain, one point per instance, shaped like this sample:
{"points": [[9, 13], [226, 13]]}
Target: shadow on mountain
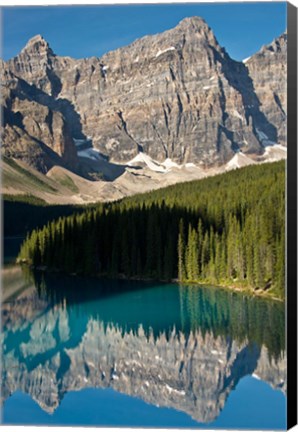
{"points": [[64, 106], [87, 167], [100, 168], [238, 77]]}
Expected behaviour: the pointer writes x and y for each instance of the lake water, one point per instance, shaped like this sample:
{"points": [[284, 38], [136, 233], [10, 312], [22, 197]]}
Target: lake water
{"points": [[80, 351]]}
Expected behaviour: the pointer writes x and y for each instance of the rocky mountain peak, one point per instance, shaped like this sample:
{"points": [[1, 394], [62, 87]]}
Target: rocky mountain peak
{"points": [[34, 64], [38, 45], [197, 27], [193, 23], [174, 95], [278, 47], [268, 70]]}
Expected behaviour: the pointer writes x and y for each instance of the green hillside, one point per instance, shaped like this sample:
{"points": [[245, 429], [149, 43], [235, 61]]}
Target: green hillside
{"points": [[224, 230]]}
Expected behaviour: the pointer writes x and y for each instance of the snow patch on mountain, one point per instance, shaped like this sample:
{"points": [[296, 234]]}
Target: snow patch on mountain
{"points": [[239, 160], [168, 163], [90, 153], [147, 160], [254, 375], [81, 142], [237, 114], [264, 138], [159, 53], [275, 152]]}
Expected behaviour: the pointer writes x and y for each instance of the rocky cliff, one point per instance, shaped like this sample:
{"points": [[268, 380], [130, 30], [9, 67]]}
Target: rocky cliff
{"points": [[175, 95], [33, 130], [268, 70]]}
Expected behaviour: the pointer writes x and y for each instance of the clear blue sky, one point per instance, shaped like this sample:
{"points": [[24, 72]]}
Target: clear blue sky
{"points": [[84, 31]]}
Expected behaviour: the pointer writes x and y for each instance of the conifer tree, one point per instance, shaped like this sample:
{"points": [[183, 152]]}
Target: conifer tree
{"points": [[181, 253]]}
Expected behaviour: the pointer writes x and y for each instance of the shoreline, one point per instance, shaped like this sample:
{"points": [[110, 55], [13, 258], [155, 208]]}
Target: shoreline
{"points": [[247, 290], [232, 288]]}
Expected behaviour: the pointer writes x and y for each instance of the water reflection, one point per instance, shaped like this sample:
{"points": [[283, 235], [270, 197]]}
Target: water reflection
{"points": [[180, 347]]}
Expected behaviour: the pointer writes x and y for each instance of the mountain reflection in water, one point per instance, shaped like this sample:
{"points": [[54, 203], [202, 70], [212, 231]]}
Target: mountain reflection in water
{"points": [[183, 347]]}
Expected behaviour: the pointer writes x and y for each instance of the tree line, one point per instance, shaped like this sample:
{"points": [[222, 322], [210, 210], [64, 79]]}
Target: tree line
{"points": [[227, 229]]}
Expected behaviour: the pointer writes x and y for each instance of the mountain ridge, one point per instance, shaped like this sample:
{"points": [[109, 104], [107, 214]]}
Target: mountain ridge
{"points": [[175, 95]]}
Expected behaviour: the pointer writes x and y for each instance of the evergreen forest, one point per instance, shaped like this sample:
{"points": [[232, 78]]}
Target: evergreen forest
{"points": [[224, 230]]}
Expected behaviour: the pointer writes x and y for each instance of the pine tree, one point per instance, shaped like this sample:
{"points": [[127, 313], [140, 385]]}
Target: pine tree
{"points": [[235, 231], [181, 253]]}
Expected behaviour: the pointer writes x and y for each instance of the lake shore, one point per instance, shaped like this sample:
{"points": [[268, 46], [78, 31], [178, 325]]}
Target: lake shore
{"points": [[267, 294], [244, 290]]}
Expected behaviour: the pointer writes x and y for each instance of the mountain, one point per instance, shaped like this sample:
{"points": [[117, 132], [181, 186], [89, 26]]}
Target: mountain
{"points": [[33, 131], [268, 71], [175, 96]]}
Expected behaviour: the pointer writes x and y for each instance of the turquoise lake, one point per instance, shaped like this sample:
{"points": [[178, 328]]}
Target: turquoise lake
{"points": [[80, 351]]}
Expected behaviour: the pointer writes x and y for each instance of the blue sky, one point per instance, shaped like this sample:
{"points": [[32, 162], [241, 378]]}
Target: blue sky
{"points": [[84, 31]]}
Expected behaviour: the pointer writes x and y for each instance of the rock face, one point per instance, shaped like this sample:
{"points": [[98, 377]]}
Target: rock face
{"points": [[174, 95], [268, 70], [33, 130]]}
